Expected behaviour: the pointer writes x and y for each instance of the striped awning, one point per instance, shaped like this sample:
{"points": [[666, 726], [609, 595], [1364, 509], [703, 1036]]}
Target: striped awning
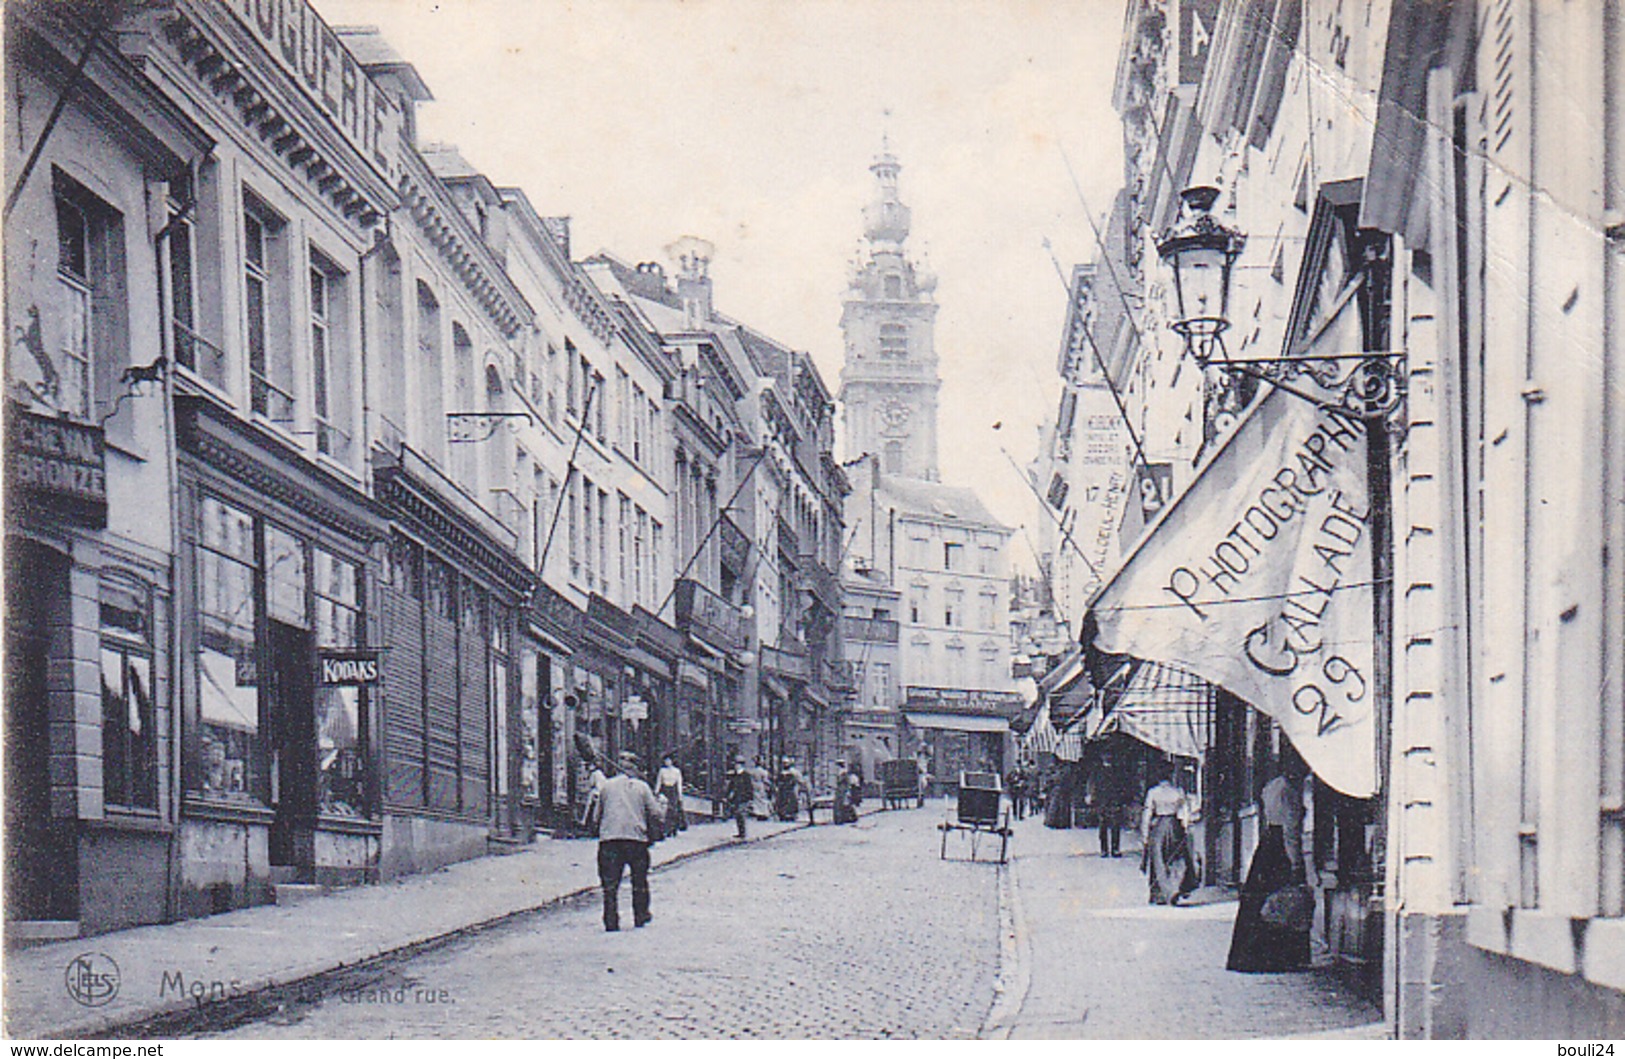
{"points": [[1040, 738], [1164, 707]]}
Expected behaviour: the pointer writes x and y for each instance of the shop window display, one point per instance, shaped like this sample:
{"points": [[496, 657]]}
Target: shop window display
{"points": [[231, 753], [341, 721]]}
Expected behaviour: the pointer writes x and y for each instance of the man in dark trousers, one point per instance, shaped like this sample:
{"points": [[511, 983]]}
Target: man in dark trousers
{"points": [[740, 792], [629, 817]]}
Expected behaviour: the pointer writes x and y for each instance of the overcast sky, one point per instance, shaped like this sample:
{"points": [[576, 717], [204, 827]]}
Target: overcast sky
{"points": [[752, 123]]}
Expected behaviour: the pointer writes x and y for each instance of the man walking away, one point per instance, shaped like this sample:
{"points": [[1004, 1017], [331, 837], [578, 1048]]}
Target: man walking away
{"points": [[741, 791], [629, 819]]}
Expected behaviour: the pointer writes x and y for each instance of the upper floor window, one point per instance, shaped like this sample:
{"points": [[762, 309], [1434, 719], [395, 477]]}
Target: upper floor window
{"points": [[77, 287], [329, 368], [537, 386], [894, 340], [270, 360], [83, 350], [892, 460], [894, 287], [188, 348], [953, 555]]}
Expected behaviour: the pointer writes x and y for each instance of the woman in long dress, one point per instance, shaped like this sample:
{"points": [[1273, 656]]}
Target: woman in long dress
{"points": [[1257, 944], [1166, 856]]}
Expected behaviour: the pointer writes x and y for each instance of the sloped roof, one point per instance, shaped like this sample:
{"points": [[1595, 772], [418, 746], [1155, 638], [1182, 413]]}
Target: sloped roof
{"points": [[933, 500]]}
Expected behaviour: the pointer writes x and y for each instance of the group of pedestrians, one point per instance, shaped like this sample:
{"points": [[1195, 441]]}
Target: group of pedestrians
{"points": [[1277, 901]]}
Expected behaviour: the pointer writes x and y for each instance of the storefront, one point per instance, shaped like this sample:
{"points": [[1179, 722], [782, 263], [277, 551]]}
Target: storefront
{"points": [[279, 667], [1269, 578], [550, 635], [961, 731], [452, 691], [710, 719], [658, 650]]}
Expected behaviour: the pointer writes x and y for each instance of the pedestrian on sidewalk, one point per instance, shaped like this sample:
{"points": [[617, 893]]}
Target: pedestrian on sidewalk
{"points": [[1015, 785], [761, 800], [1111, 803], [740, 792], [629, 817], [1275, 913], [848, 794], [669, 781], [1164, 829]]}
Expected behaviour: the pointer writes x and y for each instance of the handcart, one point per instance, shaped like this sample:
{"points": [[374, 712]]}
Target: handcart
{"points": [[979, 812], [899, 782]]}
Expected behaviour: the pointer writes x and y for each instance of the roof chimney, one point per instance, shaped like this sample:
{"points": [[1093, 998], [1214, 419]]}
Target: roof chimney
{"points": [[692, 257]]}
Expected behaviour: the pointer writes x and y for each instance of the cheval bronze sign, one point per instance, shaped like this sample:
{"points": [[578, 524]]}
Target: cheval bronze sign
{"points": [[58, 466]]}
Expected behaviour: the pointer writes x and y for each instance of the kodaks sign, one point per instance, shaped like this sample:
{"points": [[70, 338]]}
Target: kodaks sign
{"points": [[1258, 579], [356, 669]]}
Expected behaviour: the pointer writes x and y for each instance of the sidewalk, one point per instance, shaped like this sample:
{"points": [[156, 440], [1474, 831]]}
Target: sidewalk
{"points": [[1093, 959], [163, 968]]}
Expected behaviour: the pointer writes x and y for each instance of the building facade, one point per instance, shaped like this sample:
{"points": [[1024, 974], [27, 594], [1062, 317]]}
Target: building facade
{"points": [[934, 545], [439, 510], [1396, 178]]}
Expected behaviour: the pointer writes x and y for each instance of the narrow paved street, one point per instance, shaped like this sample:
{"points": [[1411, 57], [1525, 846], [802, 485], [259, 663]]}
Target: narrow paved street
{"points": [[850, 932], [834, 932]]}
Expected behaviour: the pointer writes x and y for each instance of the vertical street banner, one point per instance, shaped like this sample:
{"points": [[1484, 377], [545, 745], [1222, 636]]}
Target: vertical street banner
{"points": [[1258, 579]]}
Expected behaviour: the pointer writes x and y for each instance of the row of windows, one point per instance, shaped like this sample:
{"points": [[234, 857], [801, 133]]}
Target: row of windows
{"points": [[623, 565], [954, 610], [953, 556]]}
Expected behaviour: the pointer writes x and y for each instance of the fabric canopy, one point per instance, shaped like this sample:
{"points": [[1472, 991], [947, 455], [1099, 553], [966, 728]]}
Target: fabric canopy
{"points": [[1164, 707], [1258, 577], [1041, 736]]}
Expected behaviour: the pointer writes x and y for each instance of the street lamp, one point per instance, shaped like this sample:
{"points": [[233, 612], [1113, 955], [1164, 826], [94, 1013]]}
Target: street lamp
{"points": [[1202, 252]]}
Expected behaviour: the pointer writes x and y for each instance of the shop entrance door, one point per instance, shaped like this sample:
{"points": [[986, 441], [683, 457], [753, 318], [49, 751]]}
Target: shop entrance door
{"points": [[41, 861], [293, 751]]}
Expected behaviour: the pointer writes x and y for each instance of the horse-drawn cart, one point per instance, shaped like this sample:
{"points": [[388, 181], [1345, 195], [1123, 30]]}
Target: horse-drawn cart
{"points": [[979, 811]]}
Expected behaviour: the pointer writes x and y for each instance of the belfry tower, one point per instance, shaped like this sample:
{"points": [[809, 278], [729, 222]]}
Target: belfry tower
{"points": [[889, 381]]}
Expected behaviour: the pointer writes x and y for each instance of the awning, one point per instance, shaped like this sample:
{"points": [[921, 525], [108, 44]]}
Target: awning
{"points": [[1163, 707], [689, 673], [1069, 747], [954, 722], [1258, 577], [1040, 737], [1067, 670]]}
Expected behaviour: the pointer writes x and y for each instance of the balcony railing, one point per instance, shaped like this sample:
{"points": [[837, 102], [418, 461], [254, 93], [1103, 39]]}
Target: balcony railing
{"points": [[199, 355], [840, 674], [270, 400], [708, 616], [869, 630]]}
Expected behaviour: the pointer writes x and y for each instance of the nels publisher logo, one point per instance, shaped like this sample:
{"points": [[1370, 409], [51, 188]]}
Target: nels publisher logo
{"points": [[92, 979]]}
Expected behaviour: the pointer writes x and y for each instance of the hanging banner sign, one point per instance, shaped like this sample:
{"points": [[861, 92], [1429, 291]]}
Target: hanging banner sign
{"points": [[1258, 579], [356, 668]]}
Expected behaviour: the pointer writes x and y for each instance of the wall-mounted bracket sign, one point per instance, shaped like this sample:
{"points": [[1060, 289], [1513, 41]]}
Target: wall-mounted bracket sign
{"points": [[358, 667]]}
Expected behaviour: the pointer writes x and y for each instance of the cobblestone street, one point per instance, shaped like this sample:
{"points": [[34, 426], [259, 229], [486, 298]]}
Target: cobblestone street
{"points": [[849, 932], [846, 932]]}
